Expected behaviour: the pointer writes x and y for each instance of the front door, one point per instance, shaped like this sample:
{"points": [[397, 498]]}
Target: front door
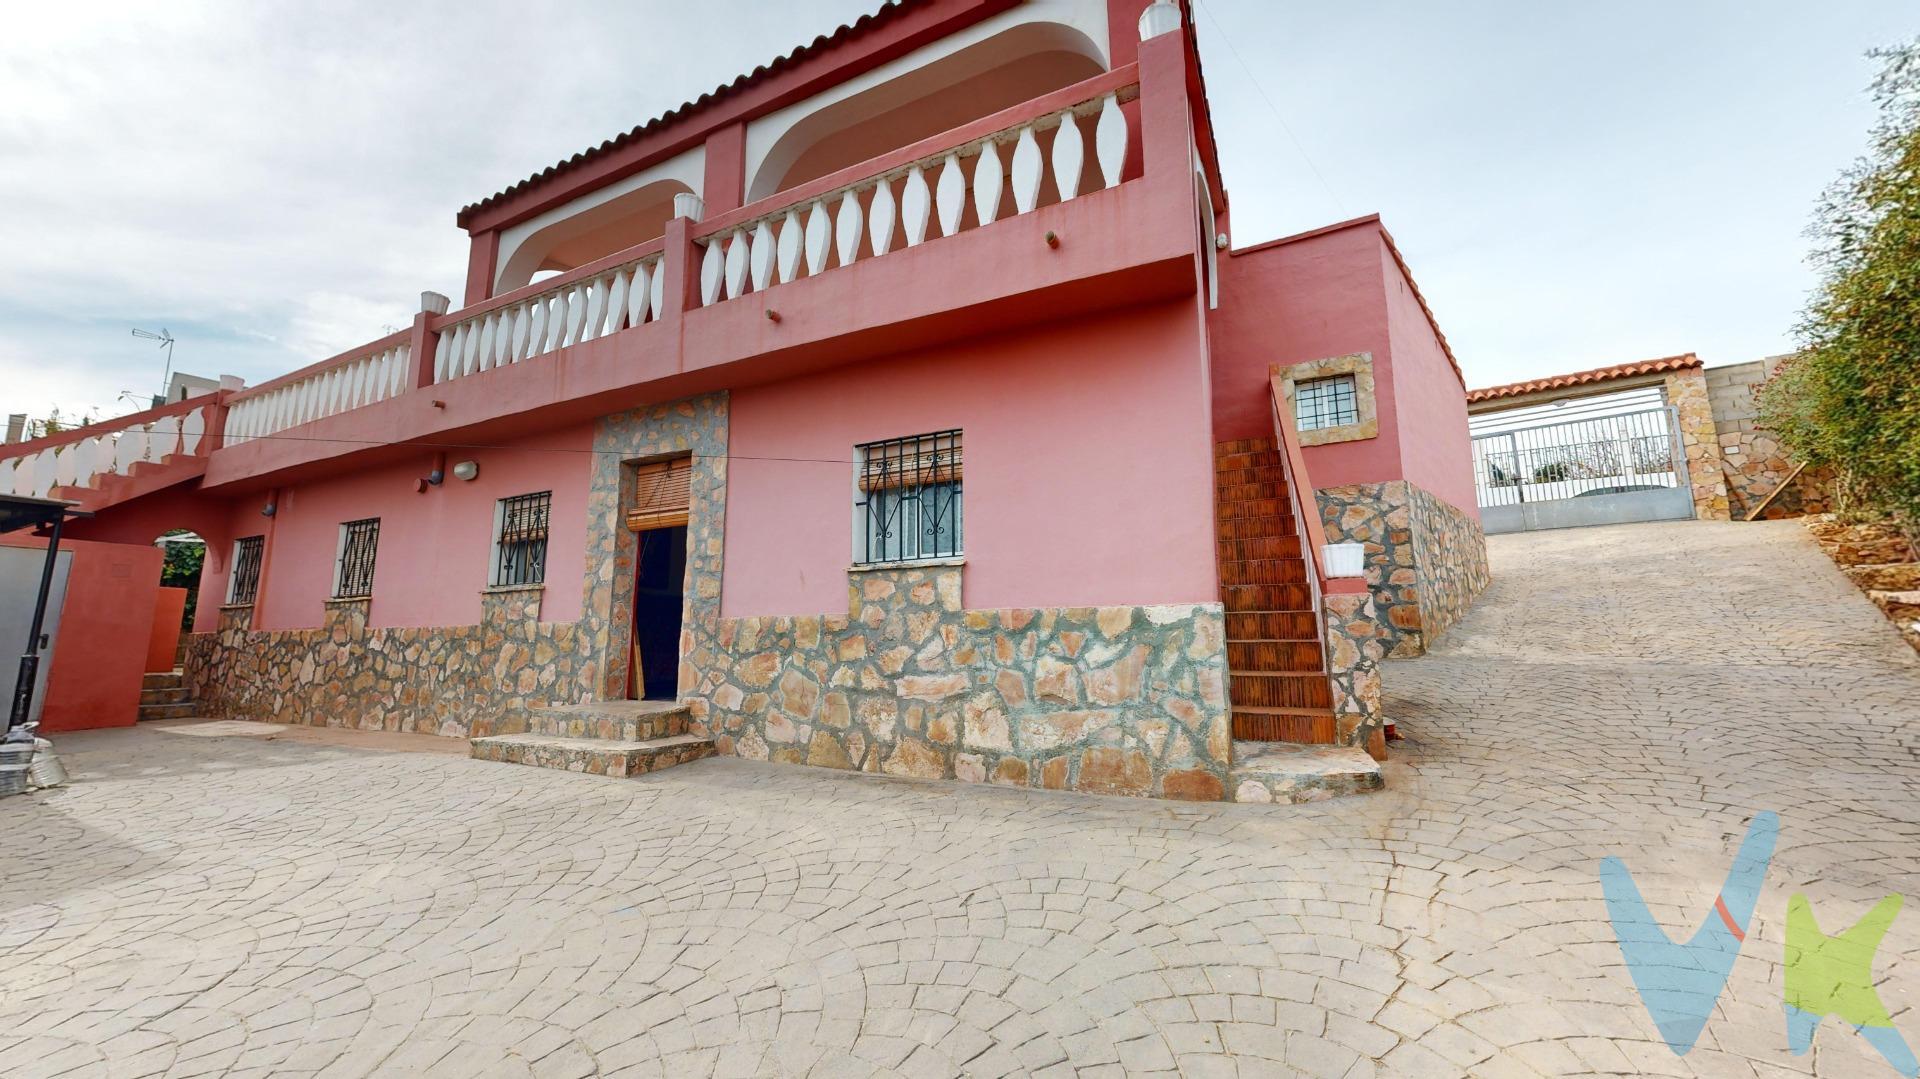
{"points": [[657, 601]]}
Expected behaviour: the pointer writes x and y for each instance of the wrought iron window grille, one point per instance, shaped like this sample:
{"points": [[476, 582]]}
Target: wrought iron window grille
{"points": [[1325, 402], [247, 553], [522, 544], [908, 501], [359, 540]]}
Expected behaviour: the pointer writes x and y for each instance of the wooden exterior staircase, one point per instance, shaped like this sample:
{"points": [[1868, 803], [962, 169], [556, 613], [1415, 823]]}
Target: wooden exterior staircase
{"points": [[1277, 678], [1287, 744]]}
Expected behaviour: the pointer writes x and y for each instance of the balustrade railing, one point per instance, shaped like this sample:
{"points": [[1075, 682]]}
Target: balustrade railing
{"points": [[311, 395], [1010, 171], [85, 455], [576, 310]]}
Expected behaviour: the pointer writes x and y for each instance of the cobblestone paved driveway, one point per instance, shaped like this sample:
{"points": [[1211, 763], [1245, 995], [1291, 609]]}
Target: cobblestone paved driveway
{"points": [[207, 905]]}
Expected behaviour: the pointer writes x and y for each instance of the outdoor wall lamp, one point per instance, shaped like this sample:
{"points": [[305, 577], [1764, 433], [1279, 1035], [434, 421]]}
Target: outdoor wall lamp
{"points": [[466, 470], [269, 509]]}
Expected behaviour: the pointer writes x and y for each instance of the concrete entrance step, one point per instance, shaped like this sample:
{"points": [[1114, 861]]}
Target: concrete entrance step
{"points": [[1286, 772], [597, 756], [626, 721], [162, 680], [173, 710]]}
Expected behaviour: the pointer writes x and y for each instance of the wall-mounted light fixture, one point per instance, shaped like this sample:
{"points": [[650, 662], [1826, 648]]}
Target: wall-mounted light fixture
{"points": [[466, 470], [269, 509]]}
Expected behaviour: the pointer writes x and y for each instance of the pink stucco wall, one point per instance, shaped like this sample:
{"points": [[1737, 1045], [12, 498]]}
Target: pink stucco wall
{"points": [[1334, 292], [1088, 466], [434, 546], [1430, 404]]}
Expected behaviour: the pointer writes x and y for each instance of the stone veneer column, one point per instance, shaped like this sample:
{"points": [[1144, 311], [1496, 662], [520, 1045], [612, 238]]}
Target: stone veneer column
{"points": [[1687, 393], [1355, 638]]}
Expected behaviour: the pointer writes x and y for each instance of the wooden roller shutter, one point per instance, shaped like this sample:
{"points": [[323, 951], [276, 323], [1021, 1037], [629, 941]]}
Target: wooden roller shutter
{"points": [[911, 462], [661, 494]]}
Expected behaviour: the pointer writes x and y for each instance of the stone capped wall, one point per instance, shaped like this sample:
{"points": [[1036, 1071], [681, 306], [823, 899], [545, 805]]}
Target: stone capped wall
{"points": [[447, 680], [1356, 642], [1687, 393], [908, 682], [1426, 559]]}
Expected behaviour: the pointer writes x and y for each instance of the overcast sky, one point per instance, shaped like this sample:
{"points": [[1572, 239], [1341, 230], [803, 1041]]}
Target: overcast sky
{"points": [[1573, 184]]}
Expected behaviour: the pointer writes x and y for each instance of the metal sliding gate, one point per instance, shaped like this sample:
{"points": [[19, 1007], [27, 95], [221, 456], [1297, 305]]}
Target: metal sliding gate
{"points": [[1599, 469]]}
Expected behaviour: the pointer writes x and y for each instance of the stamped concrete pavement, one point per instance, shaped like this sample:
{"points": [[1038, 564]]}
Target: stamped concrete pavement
{"points": [[223, 904]]}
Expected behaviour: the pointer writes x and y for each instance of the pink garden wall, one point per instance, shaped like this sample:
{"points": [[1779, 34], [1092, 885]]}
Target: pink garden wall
{"points": [[1088, 466]]}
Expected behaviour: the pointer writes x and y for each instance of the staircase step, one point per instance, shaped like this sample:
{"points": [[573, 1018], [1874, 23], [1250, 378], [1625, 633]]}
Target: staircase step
{"points": [[1252, 507], [1305, 726], [1298, 657], [1245, 528], [1256, 473], [1267, 597], [181, 710], [1280, 772], [1225, 492], [1264, 571], [1272, 625], [176, 695], [620, 721], [1258, 547], [163, 680], [1242, 445], [1280, 689], [597, 756]]}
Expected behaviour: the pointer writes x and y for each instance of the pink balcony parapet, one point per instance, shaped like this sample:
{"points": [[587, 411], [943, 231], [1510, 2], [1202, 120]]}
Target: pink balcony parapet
{"points": [[71, 463], [835, 219], [361, 376]]}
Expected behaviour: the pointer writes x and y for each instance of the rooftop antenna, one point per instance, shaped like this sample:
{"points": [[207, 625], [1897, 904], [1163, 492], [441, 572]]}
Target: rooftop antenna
{"points": [[166, 342]]}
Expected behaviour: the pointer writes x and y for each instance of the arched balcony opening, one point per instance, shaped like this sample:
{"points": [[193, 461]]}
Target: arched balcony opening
{"points": [[584, 235], [1019, 63]]}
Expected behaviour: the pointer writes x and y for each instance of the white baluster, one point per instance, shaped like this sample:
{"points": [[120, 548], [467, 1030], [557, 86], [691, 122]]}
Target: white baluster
{"points": [[166, 437], [44, 464], [126, 450], [577, 308], [522, 324], [402, 368], [1069, 155], [915, 204], [817, 237], [503, 339], [788, 246], [596, 309], [537, 312], [848, 227], [950, 196], [358, 384], [657, 288], [637, 295], [83, 468], [191, 428], [1026, 171], [557, 320], [736, 276], [444, 349], [617, 302], [760, 257], [880, 213], [488, 329], [711, 271], [64, 460], [1110, 140], [988, 182]]}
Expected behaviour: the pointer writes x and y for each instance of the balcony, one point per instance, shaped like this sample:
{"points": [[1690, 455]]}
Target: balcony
{"points": [[1078, 200]]}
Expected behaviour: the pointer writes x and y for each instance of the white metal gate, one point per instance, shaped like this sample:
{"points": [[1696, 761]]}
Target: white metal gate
{"points": [[1598, 469]]}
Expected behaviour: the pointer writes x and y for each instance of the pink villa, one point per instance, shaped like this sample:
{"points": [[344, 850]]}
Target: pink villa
{"points": [[900, 406]]}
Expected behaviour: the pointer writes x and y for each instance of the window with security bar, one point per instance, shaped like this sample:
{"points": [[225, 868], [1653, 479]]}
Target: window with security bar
{"points": [[353, 577], [520, 540], [245, 581], [907, 503], [1325, 402]]}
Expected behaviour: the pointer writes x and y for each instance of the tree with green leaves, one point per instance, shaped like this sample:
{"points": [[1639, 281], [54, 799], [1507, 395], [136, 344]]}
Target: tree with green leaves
{"points": [[1849, 399]]}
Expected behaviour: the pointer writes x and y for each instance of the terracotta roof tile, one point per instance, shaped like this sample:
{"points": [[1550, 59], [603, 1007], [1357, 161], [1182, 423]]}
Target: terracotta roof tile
{"points": [[1585, 378], [891, 10]]}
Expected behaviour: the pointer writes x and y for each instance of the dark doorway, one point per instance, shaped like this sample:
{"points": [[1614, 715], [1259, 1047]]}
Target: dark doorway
{"points": [[658, 588]]}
